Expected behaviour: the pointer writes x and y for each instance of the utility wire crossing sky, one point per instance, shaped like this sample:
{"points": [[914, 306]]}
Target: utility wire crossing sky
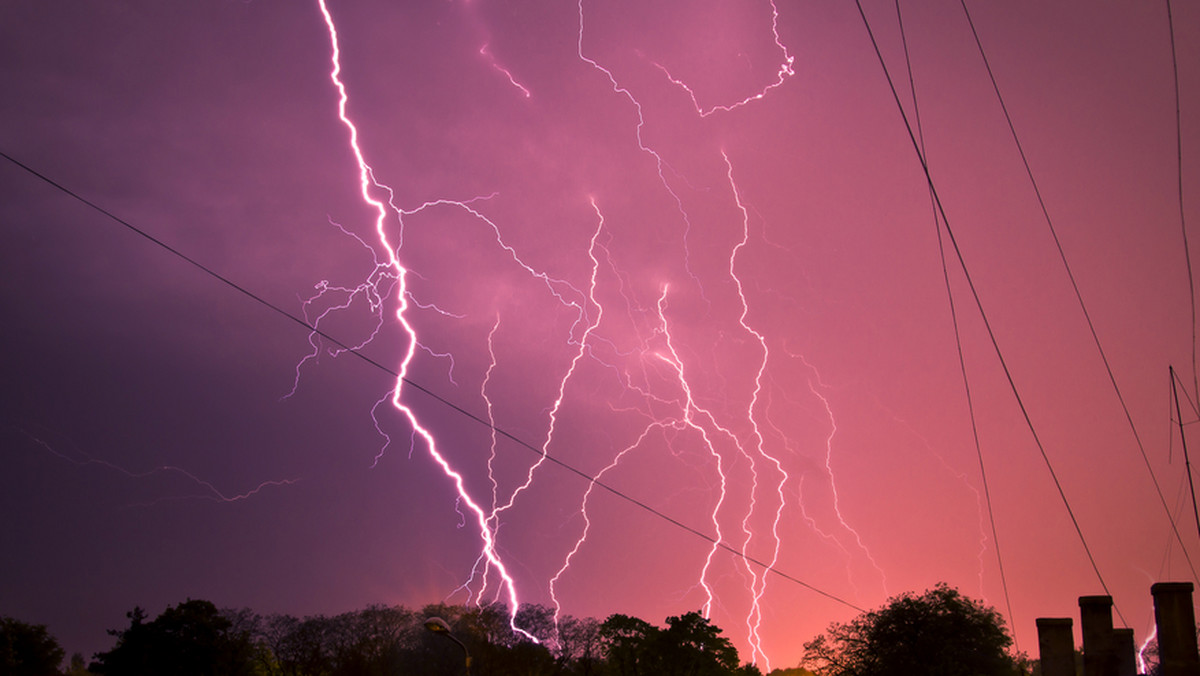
{"points": [[870, 296]]}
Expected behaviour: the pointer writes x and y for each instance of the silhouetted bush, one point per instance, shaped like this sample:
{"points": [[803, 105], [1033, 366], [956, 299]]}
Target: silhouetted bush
{"points": [[27, 649]]}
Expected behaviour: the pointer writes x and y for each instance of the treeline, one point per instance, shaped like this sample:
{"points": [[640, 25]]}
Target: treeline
{"points": [[939, 631], [194, 638]]}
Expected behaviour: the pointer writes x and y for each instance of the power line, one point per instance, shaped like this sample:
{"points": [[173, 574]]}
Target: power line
{"points": [[1187, 252], [962, 364], [1187, 461], [1062, 254], [979, 305], [430, 393], [1186, 395]]}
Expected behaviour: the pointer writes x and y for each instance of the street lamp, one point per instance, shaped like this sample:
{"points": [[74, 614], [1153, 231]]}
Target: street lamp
{"points": [[438, 626]]}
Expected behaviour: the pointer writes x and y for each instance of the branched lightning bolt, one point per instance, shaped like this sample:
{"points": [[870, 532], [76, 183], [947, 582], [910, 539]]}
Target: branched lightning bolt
{"points": [[211, 491], [785, 71], [587, 495], [962, 477], [1143, 663], [582, 345], [754, 620], [690, 410], [661, 383], [816, 528], [659, 162], [399, 273], [373, 290], [828, 462], [701, 420], [694, 416], [482, 561]]}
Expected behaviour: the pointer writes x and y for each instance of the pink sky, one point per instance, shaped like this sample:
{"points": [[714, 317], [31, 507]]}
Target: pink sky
{"points": [[796, 228]]}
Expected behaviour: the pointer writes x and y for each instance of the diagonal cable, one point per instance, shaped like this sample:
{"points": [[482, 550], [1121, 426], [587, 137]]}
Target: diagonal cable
{"points": [[430, 393], [962, 364], [979, 305], [1075, 286], [1187, 251]]}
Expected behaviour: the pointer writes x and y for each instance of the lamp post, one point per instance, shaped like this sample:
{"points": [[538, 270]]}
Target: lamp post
{"points": [[438, 626]]}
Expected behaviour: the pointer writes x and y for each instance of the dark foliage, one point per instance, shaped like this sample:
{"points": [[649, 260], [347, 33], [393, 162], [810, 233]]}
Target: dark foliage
{"points": [[689, 646], [27, 649], [626, 643], [190, 639], [939, 633], [194, 638]]}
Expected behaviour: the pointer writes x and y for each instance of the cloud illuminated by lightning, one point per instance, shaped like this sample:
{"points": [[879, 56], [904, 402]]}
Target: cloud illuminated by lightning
{"points": [[368, 185], [661, 374]]}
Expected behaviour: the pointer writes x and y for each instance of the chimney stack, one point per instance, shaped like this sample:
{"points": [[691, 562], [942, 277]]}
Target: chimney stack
{"points": [[1056, 646], [1126, 646], [1176, 621], [1099, 655]]}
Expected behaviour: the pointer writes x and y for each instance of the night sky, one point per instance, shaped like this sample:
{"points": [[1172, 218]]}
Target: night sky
{"points": [[684, 247]]}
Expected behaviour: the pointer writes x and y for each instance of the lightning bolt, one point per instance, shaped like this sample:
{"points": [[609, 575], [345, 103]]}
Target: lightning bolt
{"points": [[397, 278], [785, 71], [1143, 663], [754, 620], [486, 53], [756, 450], [211, 492], [333, 299], [828, 462], [582, 347], [481, 569], [690, 411], [582, 344], [483, 51], [963, 478], [660, 373]]}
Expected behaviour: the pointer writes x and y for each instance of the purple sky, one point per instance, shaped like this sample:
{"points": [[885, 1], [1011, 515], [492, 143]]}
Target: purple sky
{"points": [[633, 243]]}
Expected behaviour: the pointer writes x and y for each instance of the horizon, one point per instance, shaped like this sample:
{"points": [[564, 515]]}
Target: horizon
{"points": [[684, 308]]}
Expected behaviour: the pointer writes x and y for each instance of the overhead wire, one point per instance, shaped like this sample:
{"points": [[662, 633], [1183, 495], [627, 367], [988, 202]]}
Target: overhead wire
{"points": [[1112, 379], [1187, 257], [1191, 403], [962, 364], [1187, 251], [918, 143], [979, 305], [1187, 461], [616, 492]]}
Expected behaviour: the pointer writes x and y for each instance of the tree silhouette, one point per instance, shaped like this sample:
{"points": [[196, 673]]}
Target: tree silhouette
{"points": [[689, 646], [195, 639], [27, 649], [579, 645], [939, 633], [626, 642], [693, 646], [77, 666], [191, 639]]}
